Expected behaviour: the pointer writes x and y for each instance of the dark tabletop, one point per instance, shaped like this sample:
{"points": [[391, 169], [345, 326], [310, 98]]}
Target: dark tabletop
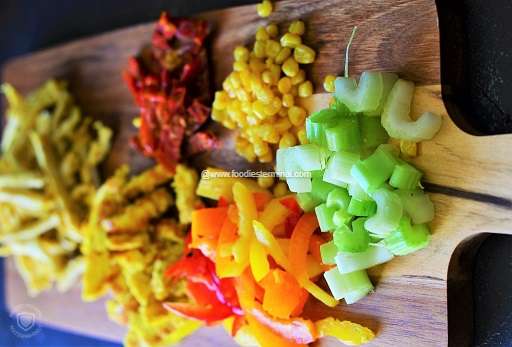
{"points": [[476, 37]]}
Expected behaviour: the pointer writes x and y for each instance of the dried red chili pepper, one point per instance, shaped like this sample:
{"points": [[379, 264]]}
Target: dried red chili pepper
{"points": [[169, 83]]}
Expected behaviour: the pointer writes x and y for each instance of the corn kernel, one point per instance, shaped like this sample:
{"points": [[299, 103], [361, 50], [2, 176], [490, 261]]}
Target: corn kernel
{"points": [[295, 90], [284, 54], [409, 148], [241, 53], [264, 94], [305, 89], [271, 135], [256, 65], [267, 158], [272, 48], [280, 190], [329, 83], [242, 95], [265, 181], [259, 49], [245, 76], [297, 115], [272, 30], [297, 27], [304, 54], [245, 106], [241, 143], [261, 148], [218, 115], [240, 65], [266, 77], [290, 40], [258, 108], [288, 100], [264, 9], [284, 85], [287, 140], [262, 34], [252, 119], [299, 77], [249, 154], [301, 135], [283, 112], [290, 67], [282, 125], [136, 122], [230, 124]]}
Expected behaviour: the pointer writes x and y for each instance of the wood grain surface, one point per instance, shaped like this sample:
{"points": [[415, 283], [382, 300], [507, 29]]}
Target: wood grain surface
{"points": [[468, 176]]}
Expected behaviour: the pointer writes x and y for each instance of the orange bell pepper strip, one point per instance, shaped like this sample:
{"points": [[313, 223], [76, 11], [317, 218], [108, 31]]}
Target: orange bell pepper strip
{"points": [[206, 226], [266, 337], [283, 294], [302, 301], [314, 246], [298, 330], [269, 241], [299, 244], [225, 265]]}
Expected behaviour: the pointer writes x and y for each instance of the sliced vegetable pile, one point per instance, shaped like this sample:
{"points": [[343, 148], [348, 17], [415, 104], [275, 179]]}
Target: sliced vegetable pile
{"points": [[261, 96], [252, 262], [129, 239], [48, 177], [361, 191], [170, 84]]}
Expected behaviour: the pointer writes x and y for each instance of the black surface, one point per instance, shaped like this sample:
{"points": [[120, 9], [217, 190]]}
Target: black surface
{"points": [[477, 79]]}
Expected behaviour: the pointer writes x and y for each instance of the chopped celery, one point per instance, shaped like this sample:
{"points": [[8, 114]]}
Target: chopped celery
{"points": [[355, 240], [338, 198], [374, 255], [408, 238], [338, 168], [405, 176], [328, 116], [281, 155], [307, 201], [372, 132], [315, 132], [350, 286], [372, 172], [341, 217], [362, 208], [388, 80], [362, 97], [321, 189], [299, 184], [308, 157], [328, 252], [396, 119], [389, 212], [357, 192], [345, 135], [417, 205], [324, 215]]}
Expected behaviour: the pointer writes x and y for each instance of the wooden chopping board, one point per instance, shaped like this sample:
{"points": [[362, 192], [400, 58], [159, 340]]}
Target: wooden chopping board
{"points": [[468, 176]]}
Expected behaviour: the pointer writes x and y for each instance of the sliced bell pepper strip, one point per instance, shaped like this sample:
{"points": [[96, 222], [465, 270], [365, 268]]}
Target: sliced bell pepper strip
{"points": [[258, 260], [349, 333], [298, 330], [267, 337], [209, 313], [206, 226], [247, 210], [283, 294], [261, 199], [225, 265], [266, 238], [314, 246], [273, 214], [319, 293], [299, 244]]}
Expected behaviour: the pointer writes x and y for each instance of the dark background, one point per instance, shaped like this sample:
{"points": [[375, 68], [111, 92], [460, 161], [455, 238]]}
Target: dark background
{"points": [[476, 39]]}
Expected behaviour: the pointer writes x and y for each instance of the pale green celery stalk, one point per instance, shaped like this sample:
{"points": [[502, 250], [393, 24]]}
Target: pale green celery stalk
{"points": [[328, 252], [389, 212], [338, 168], [374, 255], [417, 205], [351, 286], [397, 121]]}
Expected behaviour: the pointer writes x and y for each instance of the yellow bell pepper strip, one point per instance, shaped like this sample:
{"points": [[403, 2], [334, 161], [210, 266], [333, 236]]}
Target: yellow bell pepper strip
{"points": [[261, 199], [274, 214], [315, 268], [349, 333], [258, 260], [318, 293], [283, 294], [266, 337], [298, 330], [269, 241], [299, 244], [206, 226], [247, 212], [225, 265]]}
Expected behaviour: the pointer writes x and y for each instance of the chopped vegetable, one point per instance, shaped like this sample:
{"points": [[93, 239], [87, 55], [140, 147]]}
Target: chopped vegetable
{"points": [[349, 262], [350, 286], [347, 332], [407, 238]]}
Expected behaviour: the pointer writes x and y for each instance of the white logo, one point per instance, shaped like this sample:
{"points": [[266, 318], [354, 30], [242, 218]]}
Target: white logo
{"points": [[25, 321]]}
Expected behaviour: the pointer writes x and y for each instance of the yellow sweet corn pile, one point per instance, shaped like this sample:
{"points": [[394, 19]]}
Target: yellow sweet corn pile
{"points": [[260, 97]]}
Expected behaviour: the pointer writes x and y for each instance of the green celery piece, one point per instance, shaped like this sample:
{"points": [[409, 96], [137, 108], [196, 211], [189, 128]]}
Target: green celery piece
{"points": [[299, 185], [324, 215], [309, 157], [397, 121], [328, 116], [357, 192], [345, 135], [328, 252], [350, 286], [338, 198], [362, 208], [372, 132], [307, 201], [373, 171], [321, 189], [287, 165], [374, 255], [389, 212], [339, 166], [281, 156], [405, 176], [407, 238], [417, 205], [388, 80], [341, 217], [355, 240], [315, 132], [362, 97]]}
